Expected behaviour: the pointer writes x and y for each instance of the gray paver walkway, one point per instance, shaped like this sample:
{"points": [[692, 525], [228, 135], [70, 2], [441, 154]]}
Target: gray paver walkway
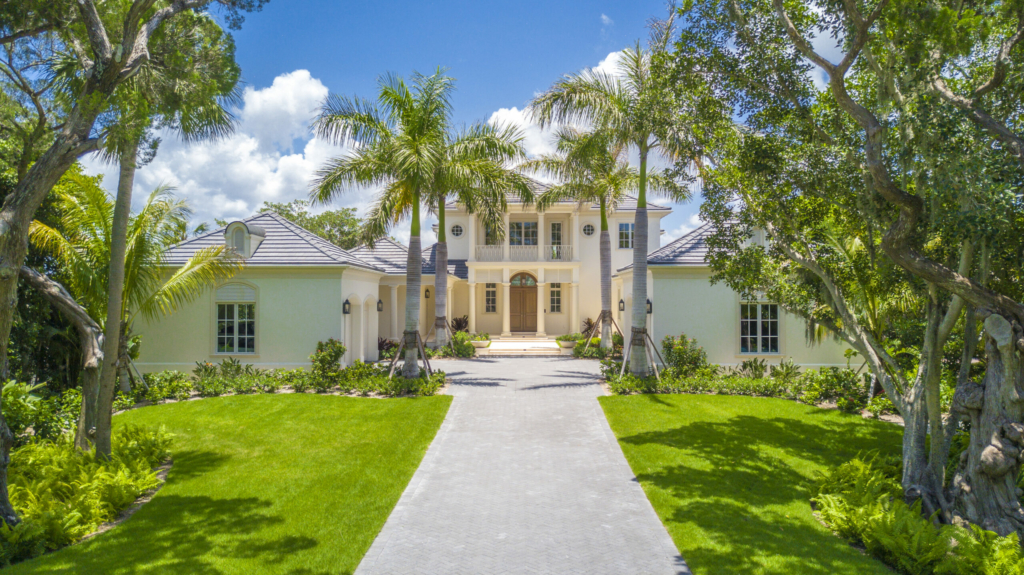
{"points": [[524, 476]]}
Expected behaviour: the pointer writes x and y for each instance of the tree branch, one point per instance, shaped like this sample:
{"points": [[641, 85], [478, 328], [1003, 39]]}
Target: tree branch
{"points": [[982, 119], [27, 32], [89, 332], [95, 29]]}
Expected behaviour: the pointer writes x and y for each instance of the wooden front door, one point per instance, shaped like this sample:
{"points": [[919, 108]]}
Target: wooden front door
{"points": [[523, 308]]}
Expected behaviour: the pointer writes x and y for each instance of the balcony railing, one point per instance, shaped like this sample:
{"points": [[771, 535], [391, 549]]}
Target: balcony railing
{"points": [[489, 253], [522, 253], [557, 253]]}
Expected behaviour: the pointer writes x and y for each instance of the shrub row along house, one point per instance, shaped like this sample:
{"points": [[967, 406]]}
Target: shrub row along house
{"points": [[541, 280]]}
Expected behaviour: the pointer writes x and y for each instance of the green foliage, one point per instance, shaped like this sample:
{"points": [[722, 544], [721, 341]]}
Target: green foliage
{"points": [[22, 409], [754, 368], [459, 346], [63, 494], [593, 352], [862, 501], [482, 337], [785, 371], [833, 384], [340, 227], [165, 385], [879, 406], [683, 355], [570, 337]]}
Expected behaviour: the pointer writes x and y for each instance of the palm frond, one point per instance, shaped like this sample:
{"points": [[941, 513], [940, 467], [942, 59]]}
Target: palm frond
{"points": [[206, 268]]}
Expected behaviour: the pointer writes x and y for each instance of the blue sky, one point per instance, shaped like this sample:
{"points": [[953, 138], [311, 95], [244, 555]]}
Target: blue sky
{"points": [[294, 52]]}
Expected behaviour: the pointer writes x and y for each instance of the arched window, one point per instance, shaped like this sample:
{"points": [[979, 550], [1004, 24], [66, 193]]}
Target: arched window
{"points": [[238, 241], [236, 318], [523, 280]]}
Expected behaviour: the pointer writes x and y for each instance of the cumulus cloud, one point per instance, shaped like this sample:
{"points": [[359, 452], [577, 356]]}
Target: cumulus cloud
{"points": [[606, 20], [691, 223], [270, 157], [610, 64], [536, 140]]}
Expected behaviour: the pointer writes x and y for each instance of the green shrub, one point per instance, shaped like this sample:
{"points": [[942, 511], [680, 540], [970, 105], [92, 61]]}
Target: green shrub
{"points": [[327, 356], [27, 413], [482, 337], [459, 346], [63, 494], [843, 386], [163, 385], [594, 351], [569, 337], [862, 501], [879, 406], [754, 368], [212, 386], [786, 371], [683, 355]]}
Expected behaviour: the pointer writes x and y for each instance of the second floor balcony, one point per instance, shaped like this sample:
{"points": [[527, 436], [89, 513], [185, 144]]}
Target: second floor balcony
{"points": [[521, 253]]}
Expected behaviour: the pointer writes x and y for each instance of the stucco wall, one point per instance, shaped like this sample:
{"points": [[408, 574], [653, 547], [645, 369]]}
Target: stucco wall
{"points": [[295, 308], [685, 302]]}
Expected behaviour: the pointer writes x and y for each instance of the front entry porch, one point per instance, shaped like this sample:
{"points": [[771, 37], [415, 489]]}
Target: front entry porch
{"points": [[507, 302]]}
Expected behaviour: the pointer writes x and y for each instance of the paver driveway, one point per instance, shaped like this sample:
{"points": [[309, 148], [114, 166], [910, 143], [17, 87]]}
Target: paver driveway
{"points": [[524, 476]]}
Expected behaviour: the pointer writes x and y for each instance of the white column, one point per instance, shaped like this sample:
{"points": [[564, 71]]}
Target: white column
{"points": [[505, 244], [395, 334], [574, 317], [541, 309], [473, 241], [574, 222], [540, 240], [472, 308], [506, 308]]}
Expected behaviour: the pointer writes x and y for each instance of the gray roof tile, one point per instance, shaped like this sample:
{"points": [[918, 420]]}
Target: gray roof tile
{"points": [[628, 204], [457, 268], [689, 250], [285, 244], [387, 254]]}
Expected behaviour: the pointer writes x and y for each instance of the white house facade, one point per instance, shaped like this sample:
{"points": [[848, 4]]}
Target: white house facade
{"points": [[540, 280]]}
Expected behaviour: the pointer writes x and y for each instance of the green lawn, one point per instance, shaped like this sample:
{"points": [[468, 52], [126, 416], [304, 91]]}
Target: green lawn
{"points": [[295, 483], [729, 477]]}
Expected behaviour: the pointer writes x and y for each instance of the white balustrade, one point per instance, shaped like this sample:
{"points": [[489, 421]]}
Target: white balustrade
{"points": [[523, 253], [557, 253], [488, 253]]}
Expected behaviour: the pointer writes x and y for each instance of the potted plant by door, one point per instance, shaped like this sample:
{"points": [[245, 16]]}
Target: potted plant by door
{"points": [[568, 340], [481, 340]]}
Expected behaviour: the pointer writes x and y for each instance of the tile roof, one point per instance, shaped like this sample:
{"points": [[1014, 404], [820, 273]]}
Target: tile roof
{"points": [[689, 250], [457, 268], [628, 204], [285, 244], [387, 254]]}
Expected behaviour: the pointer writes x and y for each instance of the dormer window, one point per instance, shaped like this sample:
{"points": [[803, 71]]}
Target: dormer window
{"points": [[243, 238]]}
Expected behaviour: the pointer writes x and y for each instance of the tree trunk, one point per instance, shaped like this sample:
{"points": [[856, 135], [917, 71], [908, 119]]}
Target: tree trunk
{"points": [[90, 339], [606, 280], [441, 281], [638, 356], [115, 293], [984, 488], [123, 378], [413, 279]]}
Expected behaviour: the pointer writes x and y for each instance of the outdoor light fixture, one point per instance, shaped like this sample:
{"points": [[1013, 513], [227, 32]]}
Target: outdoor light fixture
{"points": [[380, 305], [346, 308], [426, 294], [650, 307], [622, 305]]}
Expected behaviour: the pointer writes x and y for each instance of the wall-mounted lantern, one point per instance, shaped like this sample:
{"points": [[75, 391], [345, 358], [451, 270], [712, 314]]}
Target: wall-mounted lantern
{"points": [[622, 305], [426, 293], [380, 305], [346, 308], [650, 307]]}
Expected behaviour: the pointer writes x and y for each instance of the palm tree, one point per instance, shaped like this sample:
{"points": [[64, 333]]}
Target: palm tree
{"points": [[82, 244], [398, 145], [474, 173], [636, 108]]}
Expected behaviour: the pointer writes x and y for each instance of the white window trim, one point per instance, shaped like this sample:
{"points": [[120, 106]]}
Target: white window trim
{"points": [[462, 230], [593, 229], [561, 297], [632, 236], [739, 331], [495, 297], [213, 321]]}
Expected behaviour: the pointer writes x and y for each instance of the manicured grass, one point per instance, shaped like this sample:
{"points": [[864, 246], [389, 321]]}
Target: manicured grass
{"points": [[291, 483], [730, 477]]}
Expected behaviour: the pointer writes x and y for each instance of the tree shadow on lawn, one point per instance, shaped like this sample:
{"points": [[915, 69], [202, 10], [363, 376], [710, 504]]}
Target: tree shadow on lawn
{"points": [[180, 535], [738, 481]]}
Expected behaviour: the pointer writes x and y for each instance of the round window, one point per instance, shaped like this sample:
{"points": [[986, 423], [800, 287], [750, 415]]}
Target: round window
{"points": [[457, 230], [588, 230]]}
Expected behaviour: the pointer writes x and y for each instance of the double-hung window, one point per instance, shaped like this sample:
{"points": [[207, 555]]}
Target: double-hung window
{"points": [[236, 328], [556, 233], [626, 236], [491, 236], [491, 298], [759, 328], [556, 298]]}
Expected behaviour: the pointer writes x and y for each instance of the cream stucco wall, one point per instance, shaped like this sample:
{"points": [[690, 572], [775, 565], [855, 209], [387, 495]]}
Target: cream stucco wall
{"points": [[684, 301], [295, 308]]}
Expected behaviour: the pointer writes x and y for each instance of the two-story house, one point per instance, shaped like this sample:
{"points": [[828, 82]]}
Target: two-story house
{"points": [[542, 280]]}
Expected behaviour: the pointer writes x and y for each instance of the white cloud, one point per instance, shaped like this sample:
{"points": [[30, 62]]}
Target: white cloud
{"points": [[271, 156], [536, 140], [688, 226], [610, 64], [606, 20]]}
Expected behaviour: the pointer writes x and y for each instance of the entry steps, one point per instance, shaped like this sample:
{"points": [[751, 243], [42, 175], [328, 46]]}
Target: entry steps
{"points": [[523, 346]]}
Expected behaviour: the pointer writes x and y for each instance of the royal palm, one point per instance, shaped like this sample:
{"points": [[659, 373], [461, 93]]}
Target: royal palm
{"points": [[635, 108]]}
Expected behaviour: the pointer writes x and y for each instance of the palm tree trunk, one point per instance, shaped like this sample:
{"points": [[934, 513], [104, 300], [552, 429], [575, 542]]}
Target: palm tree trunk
{"points": [[638, 357], [115, 293], [441, 280], [606, 279], [90, 339], [413, 279]]}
